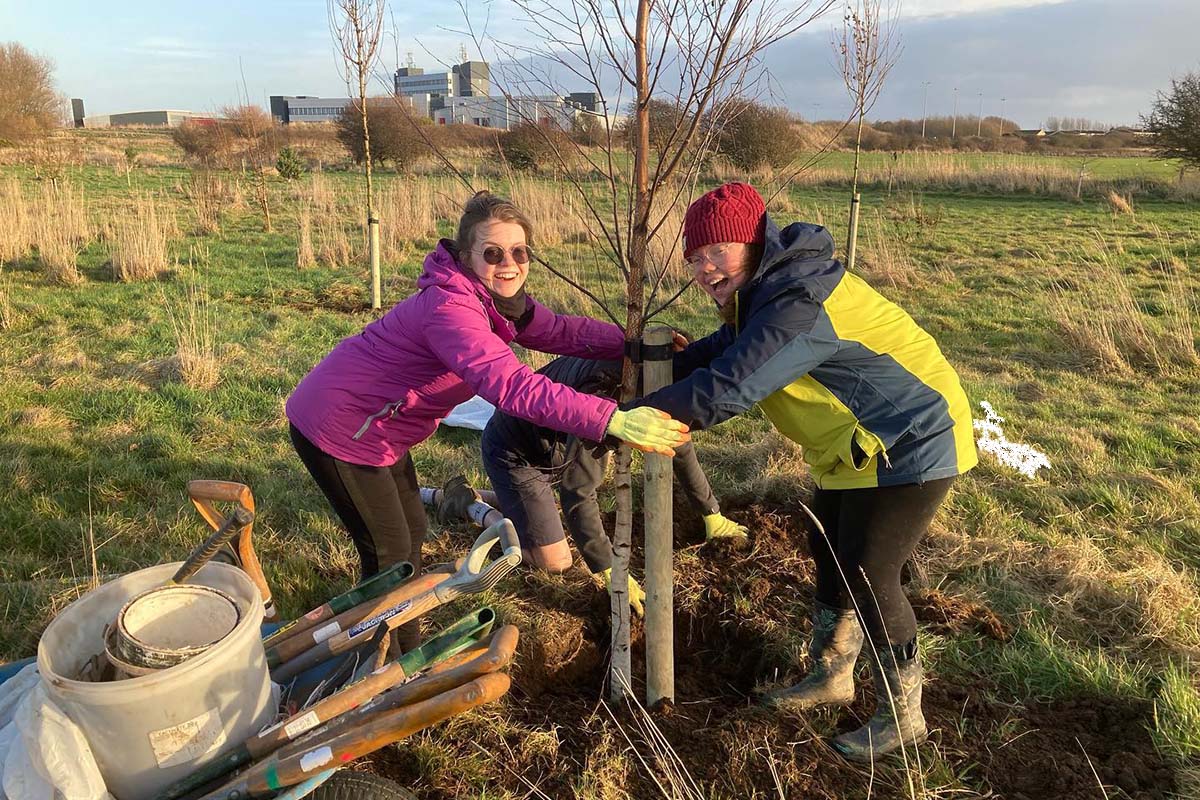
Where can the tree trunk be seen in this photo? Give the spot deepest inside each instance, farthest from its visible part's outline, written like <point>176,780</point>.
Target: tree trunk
<point>635,309</point>
<point>852,227</point>
<point>372,222</point>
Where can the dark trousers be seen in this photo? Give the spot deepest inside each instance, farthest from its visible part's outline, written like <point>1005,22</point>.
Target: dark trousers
<point>525,492</point>
<point>869,534</point>
<point>380,507</point>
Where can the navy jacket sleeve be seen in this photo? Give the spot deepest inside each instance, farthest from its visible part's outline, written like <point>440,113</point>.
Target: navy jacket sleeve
<point>701,352</point>
<point>781,342</point>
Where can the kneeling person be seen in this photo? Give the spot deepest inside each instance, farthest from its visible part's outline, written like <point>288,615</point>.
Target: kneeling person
<point>524,460</point>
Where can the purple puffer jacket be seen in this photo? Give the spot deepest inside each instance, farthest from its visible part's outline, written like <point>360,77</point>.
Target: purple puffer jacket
<point>385,389</point>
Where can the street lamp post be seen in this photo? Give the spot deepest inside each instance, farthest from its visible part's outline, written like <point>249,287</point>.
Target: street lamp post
<point>979,121</point>
<point>925,108</point>
<point>1002,101</point>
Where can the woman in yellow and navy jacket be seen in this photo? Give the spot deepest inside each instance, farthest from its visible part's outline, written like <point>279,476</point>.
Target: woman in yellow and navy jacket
<point>884,425</point>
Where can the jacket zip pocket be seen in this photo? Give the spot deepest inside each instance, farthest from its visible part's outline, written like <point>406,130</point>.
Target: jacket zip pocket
<point>388,411</point>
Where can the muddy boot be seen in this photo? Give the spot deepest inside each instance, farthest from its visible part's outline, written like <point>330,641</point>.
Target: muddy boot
<point>898,719</point>
<point>837,639</point>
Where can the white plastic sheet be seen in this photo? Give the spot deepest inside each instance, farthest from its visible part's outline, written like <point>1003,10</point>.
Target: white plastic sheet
<point>43,755</point>
<point>473,414</point>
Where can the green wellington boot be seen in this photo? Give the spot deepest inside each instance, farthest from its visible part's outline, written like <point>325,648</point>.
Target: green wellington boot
<point>898,720</point>
<point>836,641</point>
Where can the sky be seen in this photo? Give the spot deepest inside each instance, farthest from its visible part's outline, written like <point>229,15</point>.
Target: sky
<point>1099,59</point>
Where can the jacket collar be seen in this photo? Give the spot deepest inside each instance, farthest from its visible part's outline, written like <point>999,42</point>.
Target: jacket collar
<point>442,269</point>
<point>799,255</point>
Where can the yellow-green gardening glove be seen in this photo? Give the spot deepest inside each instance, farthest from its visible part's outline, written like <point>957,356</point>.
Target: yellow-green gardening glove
<point>637,596</point>
<point>648,429</point>
<point>719,526</point>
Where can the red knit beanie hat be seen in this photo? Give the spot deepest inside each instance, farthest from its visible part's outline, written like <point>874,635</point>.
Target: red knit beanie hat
<point>730,213</point>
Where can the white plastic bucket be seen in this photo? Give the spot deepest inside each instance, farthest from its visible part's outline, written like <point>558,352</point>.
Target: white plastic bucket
<point>149,731</point>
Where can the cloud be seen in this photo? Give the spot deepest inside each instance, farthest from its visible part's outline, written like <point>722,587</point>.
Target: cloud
<point>1102,59</point>
<point>954,8</point>
<point>171,47</point>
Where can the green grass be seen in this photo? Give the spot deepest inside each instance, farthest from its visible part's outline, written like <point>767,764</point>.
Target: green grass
<point>1094,561</point>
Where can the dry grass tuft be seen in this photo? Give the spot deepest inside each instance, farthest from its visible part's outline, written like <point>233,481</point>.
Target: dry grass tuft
<point>334,248</point>
<point>208,195</point>
<point>405,211</point>
<point>884,259</point>
<point>305,257</point>
<point>58,256</point>
<point>1103,321</point>
<point>7,315</point>
<point>43,418</point>
<point>58,225</point>
<point>15,236</point>
<point>140,242</point>
<point>1120,204</point>
<point>195,361</point>
<point>322,197</point>
<point>552,210</point>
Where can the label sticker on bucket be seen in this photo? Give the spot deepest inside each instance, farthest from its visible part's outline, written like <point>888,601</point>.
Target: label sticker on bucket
<point>188,741</point>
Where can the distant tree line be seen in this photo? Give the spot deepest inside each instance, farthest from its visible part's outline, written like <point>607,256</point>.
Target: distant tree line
<point>1075,124</point>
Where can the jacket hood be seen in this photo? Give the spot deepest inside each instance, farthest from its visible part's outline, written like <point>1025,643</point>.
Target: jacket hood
<point>800,254</point>
<point>442,269</point>
<point>798,243</point>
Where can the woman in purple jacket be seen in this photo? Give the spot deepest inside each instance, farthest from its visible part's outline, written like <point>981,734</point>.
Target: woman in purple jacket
<point>355,417</point>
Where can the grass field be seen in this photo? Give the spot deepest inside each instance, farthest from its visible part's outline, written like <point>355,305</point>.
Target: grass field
<point>1061,614</point>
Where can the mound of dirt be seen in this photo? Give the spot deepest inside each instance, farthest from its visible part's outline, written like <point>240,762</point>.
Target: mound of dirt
<point>733,602</point>
<point>942,613</point>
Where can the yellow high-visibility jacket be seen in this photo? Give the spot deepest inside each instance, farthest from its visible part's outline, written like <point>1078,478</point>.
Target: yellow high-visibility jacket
<point>834,365</point>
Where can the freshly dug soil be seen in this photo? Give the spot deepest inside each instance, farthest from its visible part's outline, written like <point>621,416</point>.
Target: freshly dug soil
<point>553,732</point>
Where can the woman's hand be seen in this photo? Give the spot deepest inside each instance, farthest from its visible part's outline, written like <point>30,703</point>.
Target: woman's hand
<point>678,340</point>
<point>649,430</point>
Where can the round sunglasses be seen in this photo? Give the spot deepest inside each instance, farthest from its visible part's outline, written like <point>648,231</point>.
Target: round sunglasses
<point>494,254</point>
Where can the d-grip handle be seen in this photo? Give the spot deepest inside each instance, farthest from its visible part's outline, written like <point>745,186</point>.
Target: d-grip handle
<point>204,494</point>
<point>476,574</point>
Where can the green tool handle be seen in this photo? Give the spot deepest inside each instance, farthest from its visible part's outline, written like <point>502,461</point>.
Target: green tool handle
<point>452,640</point>
<point>268,776</point>
<point>483,658</point>
<point>369,589</point>
<point>239,519</point>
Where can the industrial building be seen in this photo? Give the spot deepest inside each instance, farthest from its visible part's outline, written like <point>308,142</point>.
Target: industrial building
<point>461,96</point>
<point>169,118</point>
<point>287,109</point>
<point>304,108</point>
<point>509,112</point>
<point>468,79</point>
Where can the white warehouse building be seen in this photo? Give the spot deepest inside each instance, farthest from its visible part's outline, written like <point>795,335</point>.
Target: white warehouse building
<point>507,113</point>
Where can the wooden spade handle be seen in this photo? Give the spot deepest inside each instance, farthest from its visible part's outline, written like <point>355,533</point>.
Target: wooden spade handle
<point>499,654</point>
<point>378,732</point>
<point>335,632</point>
<point>204,494</point>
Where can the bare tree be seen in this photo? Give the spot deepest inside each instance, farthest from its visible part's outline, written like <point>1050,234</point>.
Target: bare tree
<point>29,104</point>
<point>249,133</point>
<point>695,57</point>
<point>867,47</point>
<point>356,26</point>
